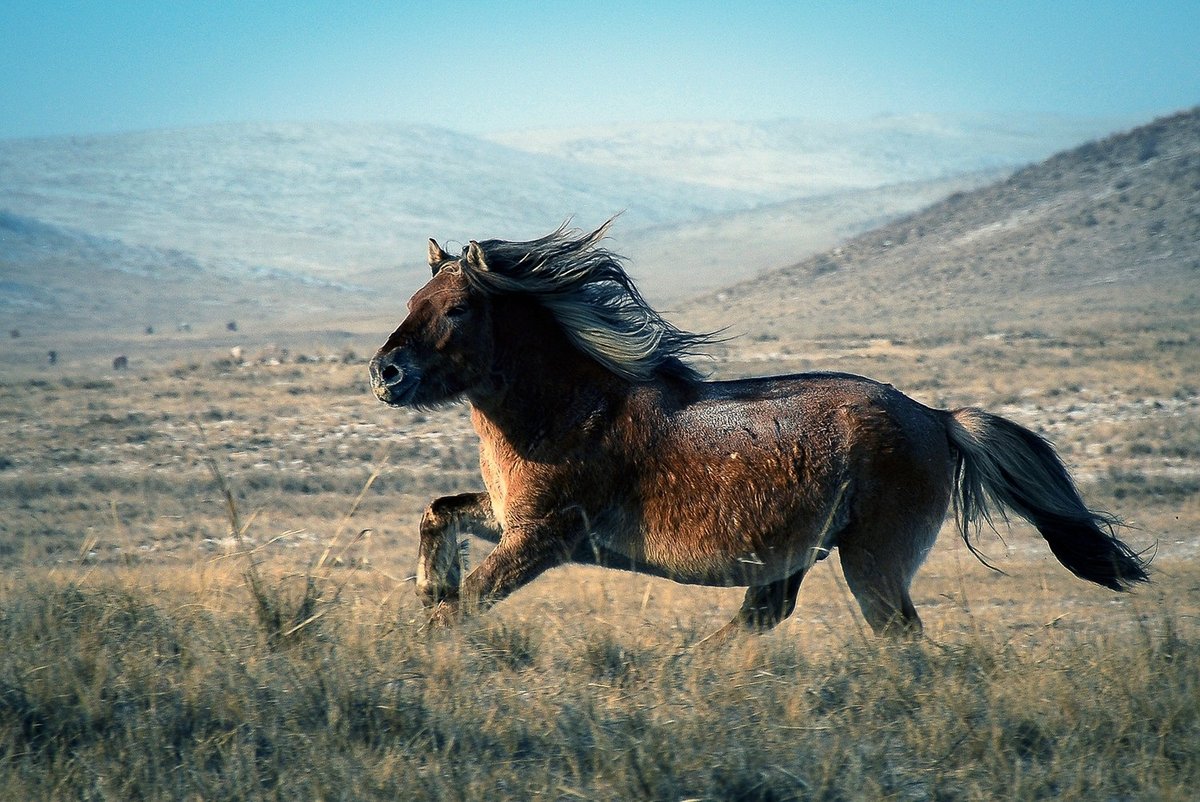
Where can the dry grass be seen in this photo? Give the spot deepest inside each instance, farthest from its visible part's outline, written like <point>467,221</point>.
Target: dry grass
<point>142,685</point>
<point>139,659</point>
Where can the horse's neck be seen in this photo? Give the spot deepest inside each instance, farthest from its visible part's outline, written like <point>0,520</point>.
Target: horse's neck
<point>547,396</point>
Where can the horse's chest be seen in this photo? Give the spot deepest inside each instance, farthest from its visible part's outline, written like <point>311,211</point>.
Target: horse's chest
<point>512,482</point>
<point>496,478</point>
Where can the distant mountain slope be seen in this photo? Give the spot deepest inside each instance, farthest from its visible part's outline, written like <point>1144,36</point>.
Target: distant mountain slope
<point>1111,227</point>
<point>331,200</point>
<point>785,159</point>
<point>324,199</point>
<point>57,278</point>
<point>675,262</point>
<point>285,224</point>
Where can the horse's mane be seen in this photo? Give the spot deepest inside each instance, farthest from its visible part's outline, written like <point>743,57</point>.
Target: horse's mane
<point>587,291</point>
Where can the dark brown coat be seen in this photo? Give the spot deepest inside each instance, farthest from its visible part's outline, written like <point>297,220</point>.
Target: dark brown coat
<point>598,444</point>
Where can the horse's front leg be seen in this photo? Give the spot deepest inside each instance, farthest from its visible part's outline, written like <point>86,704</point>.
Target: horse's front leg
<point>440,557</point>
<point>526,550</point>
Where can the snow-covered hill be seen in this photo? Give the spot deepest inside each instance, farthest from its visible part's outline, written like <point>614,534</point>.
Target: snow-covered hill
<point>788,159</point>
<point>325,199</point>
<point>109,229</point>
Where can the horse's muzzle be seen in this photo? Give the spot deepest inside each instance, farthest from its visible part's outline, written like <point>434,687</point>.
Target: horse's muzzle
<point>392,381</point>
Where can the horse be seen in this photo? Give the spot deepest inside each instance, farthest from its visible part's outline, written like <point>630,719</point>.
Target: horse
<point>601,443</point>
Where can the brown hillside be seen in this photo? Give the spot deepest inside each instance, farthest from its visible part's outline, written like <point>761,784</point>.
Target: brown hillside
<point>1107,231</point>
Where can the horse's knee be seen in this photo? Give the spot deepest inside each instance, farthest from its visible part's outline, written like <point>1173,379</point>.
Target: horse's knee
<point>439,511</point>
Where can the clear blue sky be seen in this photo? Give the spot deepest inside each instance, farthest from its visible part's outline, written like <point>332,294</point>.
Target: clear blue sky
<point>85,67</point>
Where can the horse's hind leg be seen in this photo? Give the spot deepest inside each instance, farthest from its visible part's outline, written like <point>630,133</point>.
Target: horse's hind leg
<point>762,609</point>
<point>881,588</point>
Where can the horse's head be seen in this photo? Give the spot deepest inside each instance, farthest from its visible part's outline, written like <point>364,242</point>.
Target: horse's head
<point>443,347</point>
<point>546,306</point>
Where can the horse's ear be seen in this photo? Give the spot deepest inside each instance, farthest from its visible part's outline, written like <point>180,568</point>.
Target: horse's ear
<point>475,256</point>
<point>436,254</point>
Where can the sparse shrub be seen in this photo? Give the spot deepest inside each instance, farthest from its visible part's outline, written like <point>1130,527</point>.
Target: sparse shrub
<point>1121,484</point>
<point>823,266</point>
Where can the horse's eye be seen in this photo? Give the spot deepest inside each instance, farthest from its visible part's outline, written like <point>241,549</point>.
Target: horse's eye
<point>458,310</point>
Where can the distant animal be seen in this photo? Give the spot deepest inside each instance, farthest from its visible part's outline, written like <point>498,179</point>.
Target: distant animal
<point>120,362</point>
<point>149,330</point>
<point>600,444</point>
<point>235,353</point>
<point>53,357</point>
<point>231,326</point>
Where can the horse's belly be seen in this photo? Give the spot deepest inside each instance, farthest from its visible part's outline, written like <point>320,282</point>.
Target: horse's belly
<point>740,530</point>
<point>698,564</point>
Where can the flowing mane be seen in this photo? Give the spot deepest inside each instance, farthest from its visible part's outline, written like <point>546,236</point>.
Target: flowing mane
<point>586,289</point>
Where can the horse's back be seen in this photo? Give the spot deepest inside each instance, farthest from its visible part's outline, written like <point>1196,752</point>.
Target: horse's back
<point>745,468</point>
<point>803,403</point>
<point>859,429</point>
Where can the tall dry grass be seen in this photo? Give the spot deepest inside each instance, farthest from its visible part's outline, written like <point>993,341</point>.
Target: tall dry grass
<point>129,686</point>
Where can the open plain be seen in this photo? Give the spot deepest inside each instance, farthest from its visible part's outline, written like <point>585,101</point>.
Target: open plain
<point>207,558</point>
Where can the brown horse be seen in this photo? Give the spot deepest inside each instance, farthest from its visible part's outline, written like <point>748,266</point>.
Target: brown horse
<point>599,444</point>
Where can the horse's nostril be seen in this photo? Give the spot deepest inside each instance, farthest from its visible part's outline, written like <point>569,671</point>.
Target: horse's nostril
<point>389,373</point>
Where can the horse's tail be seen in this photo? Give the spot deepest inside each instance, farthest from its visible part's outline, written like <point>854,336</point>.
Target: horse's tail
<point>1003,465</point>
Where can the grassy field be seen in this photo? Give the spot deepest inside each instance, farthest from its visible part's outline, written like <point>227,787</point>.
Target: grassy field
<point>146,652</point>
